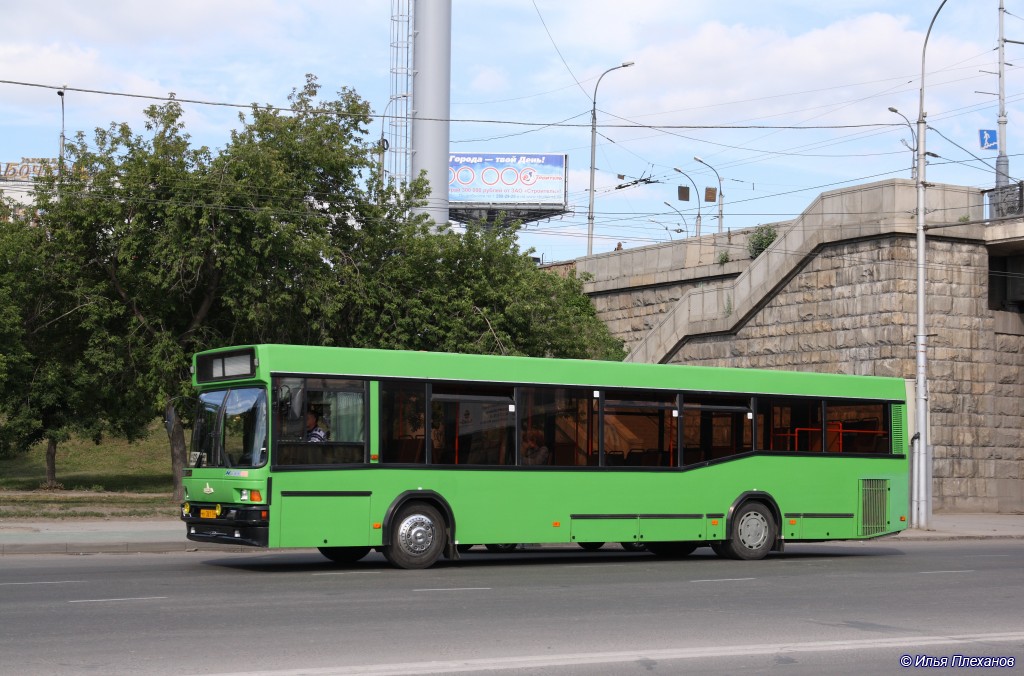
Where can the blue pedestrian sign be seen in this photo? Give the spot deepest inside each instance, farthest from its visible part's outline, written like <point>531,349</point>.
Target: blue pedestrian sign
<point>988,139</point>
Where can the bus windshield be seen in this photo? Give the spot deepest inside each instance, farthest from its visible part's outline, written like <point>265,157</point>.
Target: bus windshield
<point>230,429</point>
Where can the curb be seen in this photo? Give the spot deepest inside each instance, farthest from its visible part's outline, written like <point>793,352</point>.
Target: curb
<point>178,546</point>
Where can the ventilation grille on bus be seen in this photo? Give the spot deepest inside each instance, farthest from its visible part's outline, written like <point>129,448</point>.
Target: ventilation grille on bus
<point>899,425</point>
<point>874,497</point>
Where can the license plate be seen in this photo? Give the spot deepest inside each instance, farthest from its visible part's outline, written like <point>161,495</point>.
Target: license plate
<point>207,514</point>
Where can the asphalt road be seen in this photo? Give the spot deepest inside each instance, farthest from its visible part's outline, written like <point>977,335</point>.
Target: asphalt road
<point>837,608</point>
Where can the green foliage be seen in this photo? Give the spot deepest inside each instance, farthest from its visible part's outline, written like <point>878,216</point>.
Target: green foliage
<point>151,249</point>
<point>760,239</point>
<point>723,258</point>
<point>473,292</point>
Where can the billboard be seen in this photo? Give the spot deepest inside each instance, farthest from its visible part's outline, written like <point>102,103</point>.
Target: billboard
<point>483,178</point>
<point>26,170</point>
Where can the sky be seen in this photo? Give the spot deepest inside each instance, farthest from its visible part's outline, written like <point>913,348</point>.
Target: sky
<point>786,99</point>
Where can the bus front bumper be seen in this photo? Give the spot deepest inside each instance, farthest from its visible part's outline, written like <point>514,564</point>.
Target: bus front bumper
<point>235,526</point>
<point>253,536</point>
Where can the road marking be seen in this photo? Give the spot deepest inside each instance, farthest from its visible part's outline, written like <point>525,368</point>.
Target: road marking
<point>455,589</point>
<point>11,584</point>
<point>135,598</point>
<point>936,572</point>
<point>726,579</point>
<point>574,659</point>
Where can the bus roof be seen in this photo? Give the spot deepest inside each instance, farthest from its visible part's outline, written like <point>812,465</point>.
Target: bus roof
<point>444,366</point>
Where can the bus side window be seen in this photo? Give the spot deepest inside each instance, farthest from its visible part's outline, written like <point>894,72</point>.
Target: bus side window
<point>403,416</point>
<point>566,417</point>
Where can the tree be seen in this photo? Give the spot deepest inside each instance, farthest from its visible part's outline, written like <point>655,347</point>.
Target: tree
<point>288,234</point>
<point>198,250</point>
<point>61,366</point>
<point>473,292</point>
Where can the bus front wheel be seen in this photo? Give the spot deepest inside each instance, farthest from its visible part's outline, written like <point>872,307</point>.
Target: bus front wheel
<point>344,554</point>
<point>753,533</point>
<point>417,537</point>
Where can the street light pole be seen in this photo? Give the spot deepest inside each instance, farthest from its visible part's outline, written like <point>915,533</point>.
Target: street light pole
<point>698,198</point>
<point>720,195</point>
<point>913,149</point>
<point>593,153</point>
<point>60,159</point>
<point>922,490</point>
<point>383,147</point>
<point>683,218</point>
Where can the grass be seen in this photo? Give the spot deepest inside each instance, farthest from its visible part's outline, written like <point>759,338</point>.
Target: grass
<point>112,478</point>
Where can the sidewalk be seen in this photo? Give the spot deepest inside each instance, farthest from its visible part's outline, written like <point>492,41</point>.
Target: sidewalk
<point>93,536</point>
<point>89,536</point>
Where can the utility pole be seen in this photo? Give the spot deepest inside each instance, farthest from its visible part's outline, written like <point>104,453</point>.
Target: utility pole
<point>1002,161</point>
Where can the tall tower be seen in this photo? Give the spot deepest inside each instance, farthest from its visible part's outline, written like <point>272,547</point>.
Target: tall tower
<point>395,120</point>
<point>431,99</point>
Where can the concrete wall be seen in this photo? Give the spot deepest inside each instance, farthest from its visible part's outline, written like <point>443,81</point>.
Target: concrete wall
<point>837,293</point>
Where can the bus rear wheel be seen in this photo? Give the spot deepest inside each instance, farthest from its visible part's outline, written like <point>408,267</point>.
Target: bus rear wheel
<point>590,546</point>
<point>417,537</point>
<point>753,533</point>
<point>344,554</point>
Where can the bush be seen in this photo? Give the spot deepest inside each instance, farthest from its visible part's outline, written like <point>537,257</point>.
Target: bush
<point>761,239</point>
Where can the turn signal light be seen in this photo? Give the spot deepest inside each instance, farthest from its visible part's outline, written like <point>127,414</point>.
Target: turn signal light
<point>255,496</point>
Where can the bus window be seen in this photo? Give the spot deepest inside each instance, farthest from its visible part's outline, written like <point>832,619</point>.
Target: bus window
<point>472,425</point>
<point>792,424</point>
<point>639,429</point>
<point>336,406</point>
<point>567,418</point>
<point>230,429</point>
<point>716,426</point>
<point>403,416</point>
<point>857,427</point>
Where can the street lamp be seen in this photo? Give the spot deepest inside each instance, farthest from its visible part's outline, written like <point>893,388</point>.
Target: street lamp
<point>383,147</point>
<point>60,161</point>
<point>678,231</point>
<point>593,152</point>
<point>720,195</point>
<point>921,495</point>
<point>697,233</point>
<point>913,150</point>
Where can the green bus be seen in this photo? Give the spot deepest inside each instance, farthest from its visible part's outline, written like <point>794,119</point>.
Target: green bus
<point>421,455</point>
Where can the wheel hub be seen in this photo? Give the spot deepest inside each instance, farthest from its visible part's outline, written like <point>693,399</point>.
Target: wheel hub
<point>416,534</point>
<point>752,530</point>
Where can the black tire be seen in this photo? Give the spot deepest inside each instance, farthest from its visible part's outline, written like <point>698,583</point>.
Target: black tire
<point>634,546</point>
<point>417,537</point>
<point>591,546</point>
<point>753,533</point>
<point>671,550</point>
<point>719,549</point>
<point>344,554</point>
<point>501,548</point>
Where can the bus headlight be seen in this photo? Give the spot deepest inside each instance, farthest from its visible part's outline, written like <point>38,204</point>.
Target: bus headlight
<point>186,509</point>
